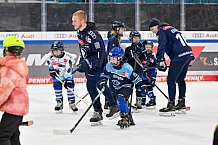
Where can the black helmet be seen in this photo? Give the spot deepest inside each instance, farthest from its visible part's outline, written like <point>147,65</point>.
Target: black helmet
<point>117,24</point>
<point>134,34</point>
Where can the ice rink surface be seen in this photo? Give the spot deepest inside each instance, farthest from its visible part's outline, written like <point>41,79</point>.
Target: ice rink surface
<point>194,128</point>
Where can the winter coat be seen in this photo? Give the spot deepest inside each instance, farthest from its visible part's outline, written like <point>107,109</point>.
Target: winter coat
<point>13,94</point>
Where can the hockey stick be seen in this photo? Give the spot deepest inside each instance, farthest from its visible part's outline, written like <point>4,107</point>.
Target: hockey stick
<point>130,108</point>
<point>68,132</point>
<point>140,63</point>
<point>82,99</point>
<point>27,123</point>
<point>71,90</point>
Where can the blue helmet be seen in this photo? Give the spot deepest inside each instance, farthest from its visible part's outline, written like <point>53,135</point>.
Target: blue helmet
<point>57,45</point>
<point>118,53</point>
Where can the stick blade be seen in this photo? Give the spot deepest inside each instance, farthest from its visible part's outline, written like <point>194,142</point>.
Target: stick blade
<point>61,132</point>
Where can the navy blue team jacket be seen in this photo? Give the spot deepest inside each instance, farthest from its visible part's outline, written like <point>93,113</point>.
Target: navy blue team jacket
<point>112,42</point>
<point>92,48</point>
<point>171,41</point>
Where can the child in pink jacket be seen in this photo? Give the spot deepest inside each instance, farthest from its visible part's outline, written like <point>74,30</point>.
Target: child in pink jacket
<point>14,101</point>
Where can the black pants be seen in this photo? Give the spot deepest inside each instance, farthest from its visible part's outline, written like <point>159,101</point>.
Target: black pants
<point>92,89</point>
<point>215,137</point>
<point>9,129</point>
<point>176,74</point>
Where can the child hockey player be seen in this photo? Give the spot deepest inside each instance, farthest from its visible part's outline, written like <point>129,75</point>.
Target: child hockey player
<point>149,75</point>
<point>60,64</point>
<point>14,100</point>
<point>136,50</point>
<point>122,76</point>
<point>114,40</point>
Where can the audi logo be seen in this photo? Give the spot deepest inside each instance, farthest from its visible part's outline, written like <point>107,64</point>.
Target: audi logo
<point>60,36</point>
<point>198,35</point>
<point>12,35</point>
<point>151,35</point>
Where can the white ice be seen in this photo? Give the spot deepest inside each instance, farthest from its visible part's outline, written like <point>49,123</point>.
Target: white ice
<point>194,128</point>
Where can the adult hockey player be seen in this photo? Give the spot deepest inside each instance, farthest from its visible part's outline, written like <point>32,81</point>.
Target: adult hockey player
<point>14,100</point>
<point>149,75</point>
<point>114,40</point>
<point>92,61</point>
<point>60,69</point>
<point>173,43</point>
<point>122,77</point>
<point>137,49</point>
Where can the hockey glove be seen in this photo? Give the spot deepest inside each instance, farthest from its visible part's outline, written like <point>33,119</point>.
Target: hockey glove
<point>152,81</point>
<point>84,66</point>
<point>67,84</point>
<point>102,83</point>
<point>162,66</point>
<point>53,73</point>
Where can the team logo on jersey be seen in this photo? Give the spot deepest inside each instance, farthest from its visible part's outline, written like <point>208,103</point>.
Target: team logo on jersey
<point>65,60</point>
<point>81,42</point>
<point>166,27</point>
<point>97,45</point>
<point>56,63</point>
<point>124,73</point>
<point>151,60</point>
<point>89,40</point>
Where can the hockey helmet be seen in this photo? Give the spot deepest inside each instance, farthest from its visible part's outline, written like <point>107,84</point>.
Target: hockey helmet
<point>14,45</point>
<point>117,24</point>
<point>57,45</point>
<point>134,34</point>
<point>116,52</point>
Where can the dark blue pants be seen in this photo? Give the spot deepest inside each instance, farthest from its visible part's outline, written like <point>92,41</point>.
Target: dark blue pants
<point>9,129</point>
<point>176,74</point>
<point>92,89</point>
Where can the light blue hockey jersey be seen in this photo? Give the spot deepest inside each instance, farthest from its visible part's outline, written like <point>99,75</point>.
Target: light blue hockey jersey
<point>123,77</point>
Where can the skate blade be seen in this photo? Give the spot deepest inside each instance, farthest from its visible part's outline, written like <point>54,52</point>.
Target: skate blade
<point>114,116</point>
<point>96,123</point>
<point>150,107</point>
<point>123,126</point>
<point>167,114</point>
<point>59,112</point>
<point>181,111</point>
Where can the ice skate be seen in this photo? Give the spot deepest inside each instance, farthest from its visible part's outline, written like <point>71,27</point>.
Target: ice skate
<point>169,110</point>
<point>151,104</point>
<point>180,107</point>
<point>124,122</point>
<point>106,105</point>
<point>96,118</point>
<point>113,112</point>
<point>72,105</point>
<point>138,103</point>
<point>59,107</point>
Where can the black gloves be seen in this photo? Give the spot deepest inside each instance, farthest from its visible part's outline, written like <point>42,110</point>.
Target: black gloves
<point>162,66</point>
<point>67,84</point>
<point>53,73</point>
<point>84,66</point>
<point>102,83</point>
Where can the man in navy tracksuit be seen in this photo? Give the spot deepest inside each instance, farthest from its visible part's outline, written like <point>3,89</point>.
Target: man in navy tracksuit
<point>92,61</point>
<point>172,42</point>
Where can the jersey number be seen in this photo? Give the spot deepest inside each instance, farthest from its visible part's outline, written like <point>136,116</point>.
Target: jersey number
<point>181,39</point>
